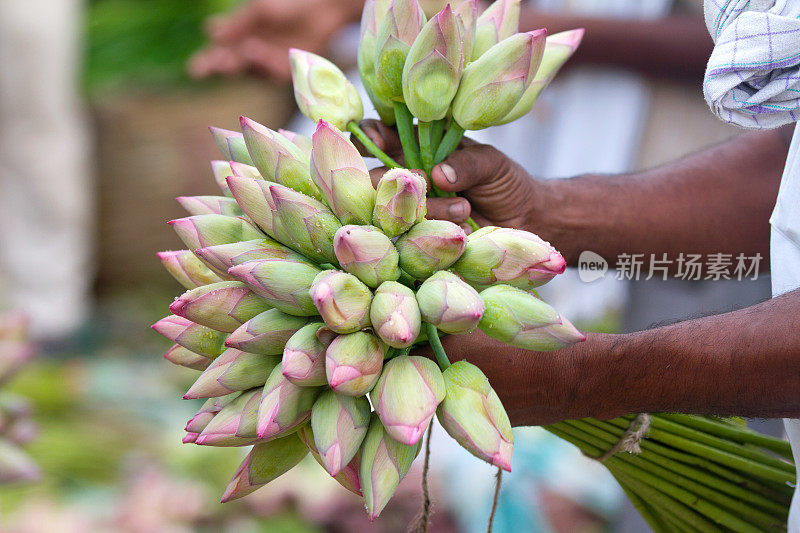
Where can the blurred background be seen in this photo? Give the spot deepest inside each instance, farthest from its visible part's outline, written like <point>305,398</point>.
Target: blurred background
<point>104,106</point>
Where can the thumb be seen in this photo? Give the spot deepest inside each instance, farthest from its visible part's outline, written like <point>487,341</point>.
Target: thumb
<point>469,167</point>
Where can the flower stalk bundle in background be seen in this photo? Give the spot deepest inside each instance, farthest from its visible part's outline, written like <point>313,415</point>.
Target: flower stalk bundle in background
<point>308,287</point>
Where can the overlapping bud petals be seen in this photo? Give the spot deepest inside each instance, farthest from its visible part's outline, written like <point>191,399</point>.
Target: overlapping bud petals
<point>208,230</point>
<point>406,396</point>
<point>231,144</point>
<point>347,476</point>
<point>367,253</point>
<point>509,256</point>
<point>266,333</point>
<point>304,356</point>
<point>395,314</point>
<point>500,21</point>
<point>283,283</point>
<point>207,411</point>
<point>341,174</point>
<point>473,415</point>
<point>429,246</point>
<point>557,50</point>
<point>433,67</point>
<point>232,371</point>
<point>298,139</point>
<point>255,198</point>
<point>399,201</point>
<point>278,159</point>
<point>493,84</point>
<point>284,406</point>
<point>339,425</point>
<point>307,223</point>
<point>221,170</point>
<point>265,462</point>
<point>178,355</point>
<point>210,205</point>
<point>396,33</point>
<point>187,269</point>
<point>223,306</point>
<point>373,14</point>
<point>353,363</point>
<point>234,424</point>
<point>245,171</point>
<point>521,319</point>
<point>342,300</point>
<point>466,13</point>
<point>224,256</point>
<point>322,90</point>
<point>449,303</point>
<point>194,337</point>
<point>384,463</point>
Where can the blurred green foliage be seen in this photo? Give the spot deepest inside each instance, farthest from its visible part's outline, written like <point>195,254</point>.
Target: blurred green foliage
<point>144,42</point>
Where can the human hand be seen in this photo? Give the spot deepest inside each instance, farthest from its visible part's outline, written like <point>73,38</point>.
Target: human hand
<point>257,37</point>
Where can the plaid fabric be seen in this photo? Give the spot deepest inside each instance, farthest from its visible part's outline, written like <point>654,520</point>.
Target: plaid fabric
<point>753,76</point>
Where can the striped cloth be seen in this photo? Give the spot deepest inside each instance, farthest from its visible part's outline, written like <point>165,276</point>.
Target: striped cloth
<point>753,76</point>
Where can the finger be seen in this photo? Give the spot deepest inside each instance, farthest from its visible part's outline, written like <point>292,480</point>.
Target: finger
<point>454,209</point>
<point>384,137</point>
<point>215,60</point>
<point>473,165</point>
<point>266,59</point>
<point>467,228</point>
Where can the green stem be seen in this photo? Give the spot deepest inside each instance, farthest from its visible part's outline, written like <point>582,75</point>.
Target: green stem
<point>405,129</point>
<point>436,134</point>
<point>449,143</point>
<point>436,345</point>
<point>426,148</point>
<point>356,130</point>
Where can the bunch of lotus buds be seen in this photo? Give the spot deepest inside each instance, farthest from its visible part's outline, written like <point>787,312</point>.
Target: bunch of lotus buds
<point>16,427</point>
<point>307,288</point>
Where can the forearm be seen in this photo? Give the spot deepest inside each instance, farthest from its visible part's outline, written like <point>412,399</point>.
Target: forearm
<point>716,201</point>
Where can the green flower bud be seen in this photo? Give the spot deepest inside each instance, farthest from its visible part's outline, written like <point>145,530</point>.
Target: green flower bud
<point>353,363</point>
<point>232,371</point>
<point>396,33</point>
<point>395,314</point>
<point>499,22</point>
<point>222,306</point>
<point>194,337</point>
<point>187,269</point>
<point>304,356</point>
<point>284,406</point>
<point>367,253</point>
<point>339,423</point>
<point>399,202</point>
<point>374,12</point>
<point>449,303</point>
<point>348,476</point>
<point>266,333</point>
<point>283,283</point>
<point>342,300</point>
<point>429,246</point>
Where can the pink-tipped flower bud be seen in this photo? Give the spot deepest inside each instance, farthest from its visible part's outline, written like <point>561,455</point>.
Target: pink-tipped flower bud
<point>194,337</point>
<point>353,363</point>
<point>304,356</point>
<point>367,253</point>
<point>245,171</point>
<point>284,406</point>
<point>178,355</point>
<point>466,15</point>
<point>232,371</point>
<point>339,424</point>
<point>429,246</point>
<point>472,414</point>
<point>301,141</point>
<point>231,144</point>
<point>224,256</point>
<point>347,476</point>
<point>342,300</point>
<point>395,314</point>
<point>499,22</point>
<point>283,283</point>
<point>207,411</point>
<point>397,31</point>
<point>399,202</point>
<point>373,14</point>
<point>266,333</point>
<point>449,303</point>
<point>221,170</point>
<point>406,396</point>
<point>187,269</point>
<point>521,319</point>
<point>255,199</point>
<point>509,256</point>
<point>222,306</point>
<point>210,205</point>
<point>209,230</point>
<point>233,424</point>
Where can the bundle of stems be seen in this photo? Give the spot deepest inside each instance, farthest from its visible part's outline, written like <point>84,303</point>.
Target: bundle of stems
<point>688,473</point>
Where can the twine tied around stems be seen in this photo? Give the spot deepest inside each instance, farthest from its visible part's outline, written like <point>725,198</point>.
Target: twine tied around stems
<point>629,441</point>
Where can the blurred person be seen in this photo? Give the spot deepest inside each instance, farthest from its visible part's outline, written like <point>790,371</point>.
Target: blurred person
<point>46,203</point>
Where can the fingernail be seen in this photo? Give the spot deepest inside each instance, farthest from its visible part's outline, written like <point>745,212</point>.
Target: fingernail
<point>449,173</point>
<point>457,210</point>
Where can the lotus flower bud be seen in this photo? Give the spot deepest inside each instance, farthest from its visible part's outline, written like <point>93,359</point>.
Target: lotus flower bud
<point>301,141</point>
<point>353,363</point>
<point>341,174</point>
<point>225,428</point>
<point>284,406</point>
<point>322,91</point>
<point>267,333</point>
<point>207,411</point>
<point>308,224</point>
<point>178,355</point>
<point>384,463</point>
<point>189,438</point>
<point>187,269</point>
<point>374,12</point>
<point>222,306</point>
<point>367,253</point>
<point>339,424</point>
<point>210,205</point>
<point>395,314</point>
<point>499,22</point>
<point>265,462</point>
<point>449,303</point>
<point>342,300</point>
<point>231,144</point>
<point>194,337</point>
<point>221,170</point>
<point>208,230</point>
<point>472,414</point>
<point>304,356</point>
<point>278,159</point>
<point>509,256</point>
<point>432,70</point>
<point>232,371</point>
<point>467,15</point>
<point>283,283</point>
<point>244,171</point>
<point>224,256</point>
<point>406,396</point>
<point>348,476</point>
<point>399,202</point>
<point>255,199</point>
<point>396,33</point>
<point>429,246</point>
<point>493,84</point>
<point>557,50</point>
<point>521,319</point>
